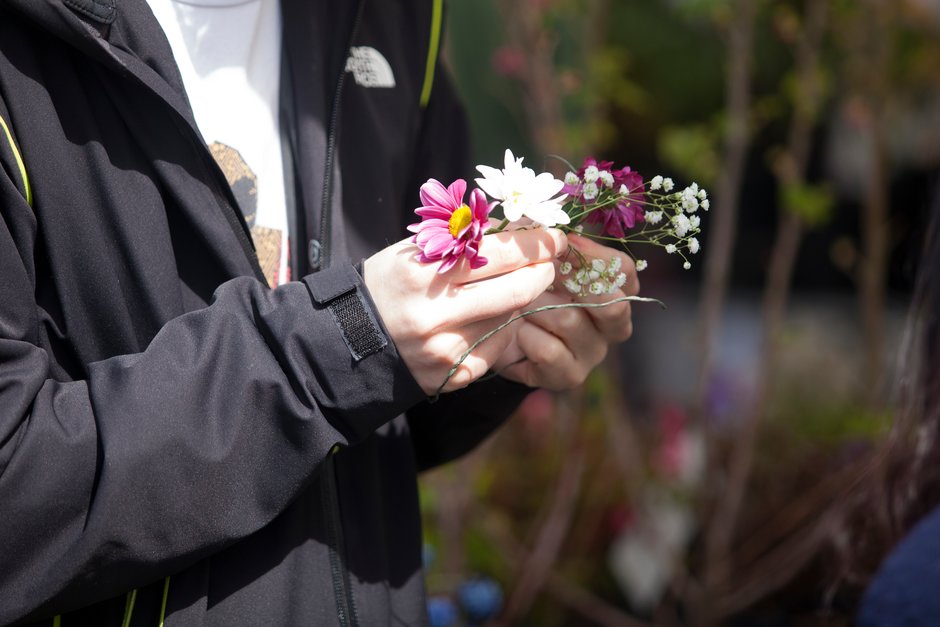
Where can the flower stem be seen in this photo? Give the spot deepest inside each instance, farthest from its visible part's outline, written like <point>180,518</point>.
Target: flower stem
<point>526,314</point>
<point>498,228</point>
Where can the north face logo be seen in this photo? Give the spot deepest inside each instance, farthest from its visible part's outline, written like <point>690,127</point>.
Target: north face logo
<point>369,67</point>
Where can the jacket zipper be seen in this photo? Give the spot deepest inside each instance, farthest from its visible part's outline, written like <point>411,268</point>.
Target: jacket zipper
<point>327,200</point>
<point>342,586</point>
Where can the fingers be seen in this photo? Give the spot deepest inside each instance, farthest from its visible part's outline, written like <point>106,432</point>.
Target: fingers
<point>550,362</point>
<point>594,250</point>
<point>511,250</point>
<point>573,327</point>
<point>498,295</point>
<point>614,322</point>
<point>483,356</point>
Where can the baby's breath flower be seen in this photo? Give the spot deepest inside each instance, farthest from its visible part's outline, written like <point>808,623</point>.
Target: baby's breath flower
<point>597,277</point>
<point>590,190</point>
<point>681,224</point>
<point>661,213</point>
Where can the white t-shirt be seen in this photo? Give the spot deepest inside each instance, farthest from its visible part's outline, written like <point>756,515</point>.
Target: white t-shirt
<point>228,53</point>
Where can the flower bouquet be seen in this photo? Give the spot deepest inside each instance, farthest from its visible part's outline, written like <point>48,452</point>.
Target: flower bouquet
<point>612,205</point>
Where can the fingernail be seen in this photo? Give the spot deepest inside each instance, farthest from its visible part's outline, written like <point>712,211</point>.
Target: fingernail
<point>561,241</point>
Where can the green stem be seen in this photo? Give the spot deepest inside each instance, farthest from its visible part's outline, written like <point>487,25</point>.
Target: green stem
<point>531,312</point>
<point>498,228</point>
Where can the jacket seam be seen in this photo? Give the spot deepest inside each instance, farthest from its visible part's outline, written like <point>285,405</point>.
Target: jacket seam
<point>102,12</point>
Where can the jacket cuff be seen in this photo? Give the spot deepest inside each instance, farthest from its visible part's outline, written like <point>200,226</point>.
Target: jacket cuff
<point>361,378</point>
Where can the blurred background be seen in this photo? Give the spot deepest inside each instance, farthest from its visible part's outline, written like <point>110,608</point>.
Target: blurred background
<point>700,475</point>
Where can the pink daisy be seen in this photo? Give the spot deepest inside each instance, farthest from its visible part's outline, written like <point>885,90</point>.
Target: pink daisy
<point>450,229</point>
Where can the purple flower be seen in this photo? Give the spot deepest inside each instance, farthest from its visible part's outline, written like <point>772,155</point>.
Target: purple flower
<point>450,229</point>
<point>628,211</point>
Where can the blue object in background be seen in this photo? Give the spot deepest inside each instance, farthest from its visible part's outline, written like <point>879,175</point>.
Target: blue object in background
<point>906,590</point>
<point>481,599</point>
<point>428,554</point>
<point>441,612</point>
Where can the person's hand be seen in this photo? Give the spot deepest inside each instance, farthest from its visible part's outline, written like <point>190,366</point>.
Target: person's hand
<point>433,318</point>
<point>557,349</point>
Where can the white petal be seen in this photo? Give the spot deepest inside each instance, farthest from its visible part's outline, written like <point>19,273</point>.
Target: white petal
<point>489,172</point>
<point>512,211</point>
<point>492,186</point>
<point>548,184</point>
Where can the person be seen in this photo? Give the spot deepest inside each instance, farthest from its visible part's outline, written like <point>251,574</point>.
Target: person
<point>899,525</point>
<point>187,436</point>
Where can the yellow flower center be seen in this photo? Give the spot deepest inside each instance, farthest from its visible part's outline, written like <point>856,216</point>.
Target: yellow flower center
<point>459,220</point>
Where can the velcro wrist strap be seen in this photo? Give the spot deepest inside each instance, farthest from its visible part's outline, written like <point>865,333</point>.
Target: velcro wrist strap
<point>337,288</point>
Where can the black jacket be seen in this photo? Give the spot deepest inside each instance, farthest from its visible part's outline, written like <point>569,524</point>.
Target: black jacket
<point>176,439</point>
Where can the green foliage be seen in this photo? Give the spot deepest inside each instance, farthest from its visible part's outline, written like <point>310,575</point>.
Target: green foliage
<point>812,203</point>
<point>693,150</point>
<point>482,559</point>
<point>713,9</point>
<point>609,79</point>
<point>798,98</point>
<point>497,118</point>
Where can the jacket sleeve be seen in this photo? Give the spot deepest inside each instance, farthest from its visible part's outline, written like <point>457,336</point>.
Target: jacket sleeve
<point>458,421</point>
<point>157,459</point>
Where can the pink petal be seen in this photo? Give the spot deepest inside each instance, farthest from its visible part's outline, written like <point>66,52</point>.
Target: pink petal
<point>426,235</point>
<point>478,262</point>
<point>481,209</point>
<point>432,223</point>
<point>447,264</point>
<point>434,212</point>
<point>436,195</point>
<point>435,223</point>
<point>457,189</point>
<point>438,245</point>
